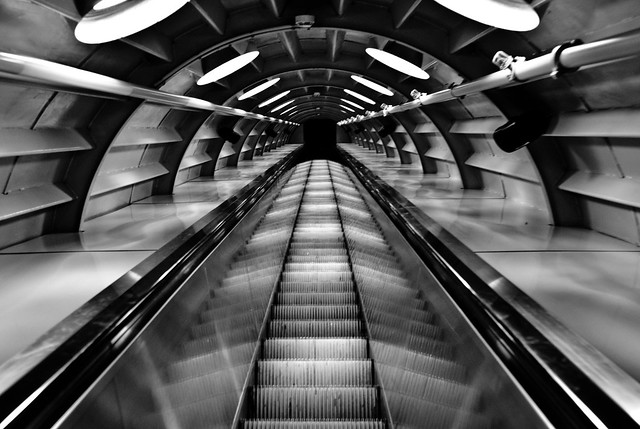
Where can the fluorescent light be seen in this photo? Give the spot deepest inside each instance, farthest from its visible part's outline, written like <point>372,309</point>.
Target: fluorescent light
<point>514,15</point>
<point>285,104</point>
<point>225,69</point>
<point>124,19</point>
<point>347,108</point>
<point>272,99</point>
<point>397,63</point>
<point>352,103</point>
<point>366,82</point>
<point>258,89</point>
<point>360,96</point>
<point>105,4</point>
<point>288,110</point>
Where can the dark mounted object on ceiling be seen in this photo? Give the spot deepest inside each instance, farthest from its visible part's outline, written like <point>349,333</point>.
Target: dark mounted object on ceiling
<point>359,129</point>
<point>271,131</point>
<point>521,130</point>
<point>228,134</point>
<point>389,125</point>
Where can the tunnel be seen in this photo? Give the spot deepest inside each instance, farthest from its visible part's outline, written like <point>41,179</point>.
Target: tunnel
<point>319,214</point>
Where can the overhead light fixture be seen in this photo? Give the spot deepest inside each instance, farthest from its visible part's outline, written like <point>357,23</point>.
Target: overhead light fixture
<point>366,82</point>
<point>360,96</point>
<point>258,89</point>
<point>272,99</point>
<point>285,104</point>
<point>352,103</point>
<point>347,108</point>
<point>105,4</point>
<point>114,20</point>
<point>288,110</point>
<point>513,15</point>
<point>225,69</point>
<point>397,63</point>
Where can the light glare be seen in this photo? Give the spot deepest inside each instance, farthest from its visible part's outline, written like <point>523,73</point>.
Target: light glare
<point>258,89</point>
<point>272,99</point>
<point>225,69</point>
<point>359,96</point>
<point>513,15</point>
<point>366,82</point>
<point>397,63</point>
<point>99,26</point>
<point>106,4</point>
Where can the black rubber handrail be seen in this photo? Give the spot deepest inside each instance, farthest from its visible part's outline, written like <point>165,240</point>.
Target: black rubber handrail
<point>45,393</point>
<point>561,390</point>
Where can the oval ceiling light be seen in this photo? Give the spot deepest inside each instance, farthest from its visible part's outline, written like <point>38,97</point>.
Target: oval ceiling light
<point>347,108</point>
<point>352,103</point>
<point>366,82</point>
<point>285,104</point>
<point>513,15</point>
<point>272,99</point>
<point>258,89</point>
<point>105,4</point>
<point>397,63</point>
<point>118,20</point>
<point>225,69</point>
<point>360,96</point>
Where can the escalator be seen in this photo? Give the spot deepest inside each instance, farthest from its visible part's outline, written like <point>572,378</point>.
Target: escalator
<point>315,312</point>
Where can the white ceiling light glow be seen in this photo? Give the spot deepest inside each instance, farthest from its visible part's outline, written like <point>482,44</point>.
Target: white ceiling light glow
<point>105,4</point>
<point>272,99</point>
<point>366,82</point>
<point>360,96</point>
<point>347,108</point>
<point>117,20</point>
<point>397,63</point>
<point>285,104</point>
<point>352,103</point>
<point>513,15</point>
<point>225,69</point>
<point>258,89</point>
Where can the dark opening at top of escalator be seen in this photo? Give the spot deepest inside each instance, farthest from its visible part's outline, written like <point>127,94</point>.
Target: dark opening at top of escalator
<point>320,140</point>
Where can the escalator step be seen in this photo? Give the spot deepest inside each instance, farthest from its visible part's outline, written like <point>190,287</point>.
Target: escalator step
<point>314,373</point>
<point>316,276</point>
<point>315,348</point>
<point>312,287</point>
<point>316,328</point>
<point>313,424</point>
<point>314,312</point>
<point>318,298</point>
<point>316,402</point>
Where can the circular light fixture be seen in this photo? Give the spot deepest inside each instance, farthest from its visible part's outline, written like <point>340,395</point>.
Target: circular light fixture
<point>397,63</point>
<point>360,96</point>
<point>106,4</point>
<point>272,99</point>
<point>285,104</point>
<point>352,103</point>
<point>123,19</point>
<point>366,82</point>
<point>513,15</point>
<point>225,69</point>
<point>258,89</point>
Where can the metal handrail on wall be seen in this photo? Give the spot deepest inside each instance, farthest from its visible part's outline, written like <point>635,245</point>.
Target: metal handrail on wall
<point>44,394</point>
<point>567,396</point>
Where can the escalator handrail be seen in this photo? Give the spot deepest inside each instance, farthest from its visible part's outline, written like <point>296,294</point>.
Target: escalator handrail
<point>45,393</point>
<point>567,396</point>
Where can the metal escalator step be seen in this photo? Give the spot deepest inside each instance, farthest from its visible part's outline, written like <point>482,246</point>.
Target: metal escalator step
<point>291,267</point>
<point>315,328</point>
<point>314,312</point>
<point>311,287</point>
<point>314,373</point>
<point>323,258</point>
<point>315,348</point>
<point>314,424</point>
<point>316,276</point>
<point>316,402</point>
<point>319,298</point>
